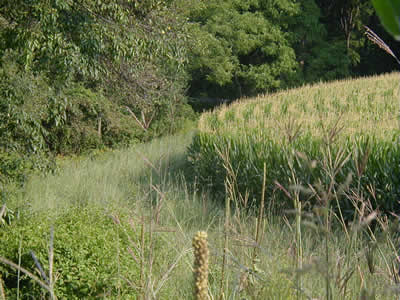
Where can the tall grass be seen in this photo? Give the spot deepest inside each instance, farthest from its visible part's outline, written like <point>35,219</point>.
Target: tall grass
<point>162,212</point>
<point>140,195</point>
<point>124,223</point>
<point>107,180</point>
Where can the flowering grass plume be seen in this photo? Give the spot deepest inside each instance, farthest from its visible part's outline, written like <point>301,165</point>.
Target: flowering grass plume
<point>200,269</point>
<point>373,37</point>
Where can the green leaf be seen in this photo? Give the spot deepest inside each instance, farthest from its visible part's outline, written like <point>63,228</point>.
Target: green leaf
<point>389,13</point>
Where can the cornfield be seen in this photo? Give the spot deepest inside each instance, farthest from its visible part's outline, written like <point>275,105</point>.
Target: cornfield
<point>345,131</point>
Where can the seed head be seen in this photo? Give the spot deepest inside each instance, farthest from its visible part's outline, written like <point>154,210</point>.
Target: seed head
<point>200,269</point>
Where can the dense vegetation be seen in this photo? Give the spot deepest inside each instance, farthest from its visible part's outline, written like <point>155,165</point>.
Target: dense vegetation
<point>86,75</point>
<point>254,46</point>
<point>80,77</point>
<point>109,242</point>
<point>297,133</point>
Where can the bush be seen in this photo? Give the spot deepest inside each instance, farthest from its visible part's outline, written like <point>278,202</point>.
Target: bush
<point>38,122</point>
<point>90,255</point>
<point>90,121</point>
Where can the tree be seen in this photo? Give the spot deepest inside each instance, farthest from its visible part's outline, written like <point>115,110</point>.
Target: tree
<point>242,47</point>
<point>78,38</point>
<point>320,58</point>
<point>133,51</point>
<point>344,20</point>
<point>72,72</point>
<point>62,38</point>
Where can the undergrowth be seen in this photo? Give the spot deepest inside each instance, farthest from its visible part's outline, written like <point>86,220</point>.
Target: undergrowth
<point>119,225</point>
<point>123,224</point>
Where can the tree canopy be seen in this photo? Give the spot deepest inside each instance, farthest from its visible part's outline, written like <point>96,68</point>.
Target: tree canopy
<point>243,46</point>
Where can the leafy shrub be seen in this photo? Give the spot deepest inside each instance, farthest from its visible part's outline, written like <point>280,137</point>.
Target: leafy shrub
<point>38,122</point>
<point>22,136</point>
<point>90,121</point>
<point>64,87</point>
<point>90,255</point>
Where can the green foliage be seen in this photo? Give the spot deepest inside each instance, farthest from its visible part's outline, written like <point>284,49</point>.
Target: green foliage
<point>319,57</point>
<point>87,245</point>
<point>18,113</point>
<point>244,48</point>
<point>326,62</point>
<point>70,70</point>
<point>344,21</point>
<point>388,11</point>
<point>241,48</point>
<point>86,235</point>
<point>131,52</point>
<point>39,122</point>
<point>67,38</point>
<point>90,121</point>
<point>22,107</point>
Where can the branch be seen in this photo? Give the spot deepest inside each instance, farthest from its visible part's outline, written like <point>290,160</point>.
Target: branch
<point>141,124</point>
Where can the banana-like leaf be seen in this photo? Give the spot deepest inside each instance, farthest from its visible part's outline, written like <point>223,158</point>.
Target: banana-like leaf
<point>389,13</point>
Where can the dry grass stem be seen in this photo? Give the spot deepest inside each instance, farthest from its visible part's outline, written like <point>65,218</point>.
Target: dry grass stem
<point>2,292</point>
<point>373,37</point>
<point>33,277</point>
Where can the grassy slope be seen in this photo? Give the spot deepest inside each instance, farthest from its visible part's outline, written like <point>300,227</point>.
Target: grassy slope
<point>124,183</point>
